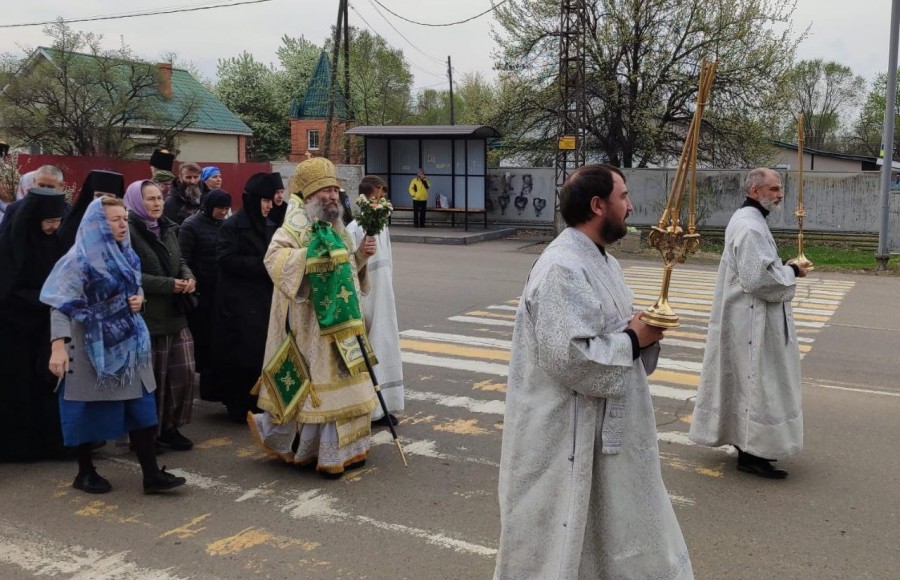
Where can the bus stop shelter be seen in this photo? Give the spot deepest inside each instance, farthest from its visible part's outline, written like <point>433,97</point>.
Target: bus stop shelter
<point>454,158</point>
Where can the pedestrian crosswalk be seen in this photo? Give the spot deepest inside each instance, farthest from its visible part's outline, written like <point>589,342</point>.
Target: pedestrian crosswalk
<point>242,513</point>
<point>476,345</point>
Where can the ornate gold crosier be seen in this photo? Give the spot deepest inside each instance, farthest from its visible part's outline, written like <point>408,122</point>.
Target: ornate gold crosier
<point>668,236</point>
<point>801,209</point>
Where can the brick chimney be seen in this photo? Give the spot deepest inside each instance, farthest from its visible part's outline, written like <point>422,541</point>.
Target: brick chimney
<point>165,79</point>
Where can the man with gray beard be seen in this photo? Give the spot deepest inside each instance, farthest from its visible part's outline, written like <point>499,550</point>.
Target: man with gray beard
<point>184,198</point>
<point>318,278</point>
<point>749,393</point>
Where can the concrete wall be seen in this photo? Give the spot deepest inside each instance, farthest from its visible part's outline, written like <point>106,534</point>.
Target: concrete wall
<point>209,147</point>
<point>835,201</point>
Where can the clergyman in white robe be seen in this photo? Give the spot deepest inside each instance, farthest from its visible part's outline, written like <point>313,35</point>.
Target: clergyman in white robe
<point>749,393</point>
<point>380,311</point>
<point>581,493</point>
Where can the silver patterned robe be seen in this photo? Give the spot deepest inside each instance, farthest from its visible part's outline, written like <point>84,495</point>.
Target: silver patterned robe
<point>749,392</point>
<point>380,310</point>
<point>581,494</point>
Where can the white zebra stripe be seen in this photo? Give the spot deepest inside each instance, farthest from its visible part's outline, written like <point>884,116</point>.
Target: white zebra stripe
<point>460,364</point>
<point>485,321</point>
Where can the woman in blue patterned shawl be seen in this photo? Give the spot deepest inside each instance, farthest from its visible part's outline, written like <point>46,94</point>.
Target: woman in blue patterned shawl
<point>100,347</point>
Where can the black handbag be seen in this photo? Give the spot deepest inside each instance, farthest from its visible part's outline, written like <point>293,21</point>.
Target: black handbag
<point>186,303</point>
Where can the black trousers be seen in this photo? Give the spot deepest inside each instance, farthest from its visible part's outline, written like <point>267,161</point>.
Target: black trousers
<point>419,213</point>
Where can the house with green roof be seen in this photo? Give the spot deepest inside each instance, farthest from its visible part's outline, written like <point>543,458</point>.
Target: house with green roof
<point>209,130</point>
<point>309,117</point>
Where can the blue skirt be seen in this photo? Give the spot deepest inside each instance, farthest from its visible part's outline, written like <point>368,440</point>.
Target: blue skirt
<point>89,421</point>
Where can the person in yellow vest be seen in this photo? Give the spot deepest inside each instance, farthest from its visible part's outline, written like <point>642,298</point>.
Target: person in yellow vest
<point>418,189</point>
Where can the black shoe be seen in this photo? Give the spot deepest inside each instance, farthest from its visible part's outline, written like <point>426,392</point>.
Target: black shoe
<point>388,419</point>
<point>91,482</point>
<point>355,465</point>
<point>173,439</point>
<point>162,480</point>
<point>762,468</point>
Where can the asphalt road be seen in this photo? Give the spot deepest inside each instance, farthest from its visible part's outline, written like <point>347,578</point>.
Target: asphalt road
<point>242,514</point>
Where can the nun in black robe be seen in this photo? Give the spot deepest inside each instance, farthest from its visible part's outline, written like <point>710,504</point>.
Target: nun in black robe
<point>29,408</point>
<point>243,298</point>
<point>97,183</point>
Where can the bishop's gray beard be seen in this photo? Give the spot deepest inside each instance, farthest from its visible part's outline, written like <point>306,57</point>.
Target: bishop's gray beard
<point>317,211</point>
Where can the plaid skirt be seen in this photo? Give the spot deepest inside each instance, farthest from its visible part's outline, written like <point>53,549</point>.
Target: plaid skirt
<point>173,368</point>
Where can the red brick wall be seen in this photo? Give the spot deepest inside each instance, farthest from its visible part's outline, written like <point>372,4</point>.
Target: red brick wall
<point>299,140</point>
<point>242,149</point>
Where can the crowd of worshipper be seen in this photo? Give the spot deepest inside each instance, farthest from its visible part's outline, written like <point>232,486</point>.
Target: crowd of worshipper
<point>120,308</point>
<point>111,308</point>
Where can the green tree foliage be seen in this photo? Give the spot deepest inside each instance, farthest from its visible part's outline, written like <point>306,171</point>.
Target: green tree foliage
<point>869,129</point>
<point>380,80</point>
<point>475,102</point>
<point>641,76</point>
<point>432,107</point>
<point>827,93</point>
<point>85,100</point>
<point>298,58</point>
<point>250,89</point>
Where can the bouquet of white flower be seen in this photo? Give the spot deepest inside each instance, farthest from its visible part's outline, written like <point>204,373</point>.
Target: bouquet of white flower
<point>373,214</point>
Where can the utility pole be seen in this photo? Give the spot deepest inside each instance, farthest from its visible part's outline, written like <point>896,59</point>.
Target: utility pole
<point>348,109</point>
<point>340,38</point>
<point>450,75</point>
<point>570,146</point>
<point>884,252</point>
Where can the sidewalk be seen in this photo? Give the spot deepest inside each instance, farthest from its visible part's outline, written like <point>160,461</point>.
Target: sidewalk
<point>450,236</point>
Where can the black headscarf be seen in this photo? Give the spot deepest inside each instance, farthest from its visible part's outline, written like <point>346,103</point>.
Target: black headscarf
<point>278,212</point>
<point>97,180</point>
<point>215,198</point>
<point>26,252</point>
<point>258,188</point>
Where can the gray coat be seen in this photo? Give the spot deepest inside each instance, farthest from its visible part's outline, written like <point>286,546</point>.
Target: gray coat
<point>81,382</point>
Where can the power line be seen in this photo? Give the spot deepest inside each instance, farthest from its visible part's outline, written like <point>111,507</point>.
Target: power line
<point>433,58</point>
<point>479,15</point>
<point>372,28</point>
<point>157,12</point>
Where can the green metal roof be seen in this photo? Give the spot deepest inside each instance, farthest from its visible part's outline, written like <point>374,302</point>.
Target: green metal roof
<point>211,114</point>
<point>315,101</point>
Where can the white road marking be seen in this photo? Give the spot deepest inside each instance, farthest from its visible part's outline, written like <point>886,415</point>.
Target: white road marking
<point>678,365</point>
<point>855,390</point>
<point>41,556</point>
<point>309,504</point>
<point>427,448</point>
<point>485,321</point>
<point>458,339</point>
<point>680,438</point>
<point>490,407</point>
<point>681,500</point>
<point>503,307</point>
<point>461,364</point>
<point>667,392</point>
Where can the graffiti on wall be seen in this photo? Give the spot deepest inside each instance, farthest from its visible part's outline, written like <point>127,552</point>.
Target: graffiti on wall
<point>520,194</point>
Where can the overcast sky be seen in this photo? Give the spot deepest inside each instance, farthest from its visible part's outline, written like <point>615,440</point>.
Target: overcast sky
<point>853,33</point>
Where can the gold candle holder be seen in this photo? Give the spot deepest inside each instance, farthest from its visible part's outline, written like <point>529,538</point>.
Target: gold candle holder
<point>801,259</point>
<point>673,243</point>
